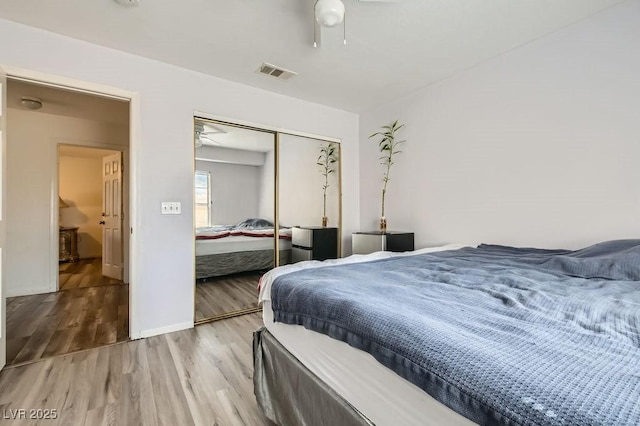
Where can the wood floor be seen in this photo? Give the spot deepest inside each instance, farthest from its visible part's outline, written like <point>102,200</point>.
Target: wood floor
<point>226,294</point>
<point>89,311</point>
<point>83,273</point>
<point>201,376</point>
<point>44,325</point>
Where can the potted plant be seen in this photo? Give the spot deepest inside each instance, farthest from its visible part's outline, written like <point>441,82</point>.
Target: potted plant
<point>388,146</point>
<point>326,160</point>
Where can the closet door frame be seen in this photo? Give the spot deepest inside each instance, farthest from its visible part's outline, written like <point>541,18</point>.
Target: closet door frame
<point>276,131</point>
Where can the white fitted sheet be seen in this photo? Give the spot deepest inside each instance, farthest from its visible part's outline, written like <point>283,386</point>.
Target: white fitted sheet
<point>376,391</point>
<point>235,243</point>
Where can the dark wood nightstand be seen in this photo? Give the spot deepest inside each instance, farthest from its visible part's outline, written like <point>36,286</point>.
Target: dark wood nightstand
<point>369,242</point>
<point>314,243</point>
<point>69,244</point>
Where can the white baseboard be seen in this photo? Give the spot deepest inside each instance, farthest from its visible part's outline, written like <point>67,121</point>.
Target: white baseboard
<point>162,330</point>
<point>12,292</point>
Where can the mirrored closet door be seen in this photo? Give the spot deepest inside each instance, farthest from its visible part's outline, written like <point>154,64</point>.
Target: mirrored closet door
<point>234,216</point>
<point>262,199</point>
<point>309,196</point>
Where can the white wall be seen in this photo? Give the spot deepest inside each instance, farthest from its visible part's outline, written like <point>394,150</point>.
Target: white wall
<point>169,96</point>
<point>537,147</point>
<point>32,140</point>
<point>301,184</point>
<point>80,186</point>
<point>267,193</point>
<point>235,190</point>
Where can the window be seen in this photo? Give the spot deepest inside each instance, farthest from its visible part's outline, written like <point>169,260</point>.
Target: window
<point>203,198</point>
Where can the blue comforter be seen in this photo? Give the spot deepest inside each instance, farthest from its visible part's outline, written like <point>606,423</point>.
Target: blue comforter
<point>501,335</point>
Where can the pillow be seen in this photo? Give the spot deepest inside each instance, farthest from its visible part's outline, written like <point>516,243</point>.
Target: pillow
<point>614,260</point>
<point>254,223</point>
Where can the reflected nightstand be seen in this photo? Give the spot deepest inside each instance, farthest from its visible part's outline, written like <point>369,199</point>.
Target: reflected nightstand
<point>314,243</point>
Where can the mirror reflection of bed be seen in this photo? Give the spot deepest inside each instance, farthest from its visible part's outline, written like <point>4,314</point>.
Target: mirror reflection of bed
<point>236,215</point>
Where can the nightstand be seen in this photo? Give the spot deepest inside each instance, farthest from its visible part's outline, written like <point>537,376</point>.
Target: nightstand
<point>68,244</point>
<point>369,242</point>
<point>313,243</point>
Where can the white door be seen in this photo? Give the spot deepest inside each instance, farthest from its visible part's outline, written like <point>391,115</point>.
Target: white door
<point>3,186</point>
<point>112,216</point>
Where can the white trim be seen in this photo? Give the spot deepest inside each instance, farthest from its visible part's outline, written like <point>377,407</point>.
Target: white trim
<point>200,114</point>
<point>134,138</point>
<point>167,329</point>
<point>3,199</point>
<point>26,292</point>
<point>57,81</point>
<point>54,222</point>
<point>135,245</point>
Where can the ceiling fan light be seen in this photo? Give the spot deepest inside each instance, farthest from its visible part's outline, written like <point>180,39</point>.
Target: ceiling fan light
<point>329,13</point>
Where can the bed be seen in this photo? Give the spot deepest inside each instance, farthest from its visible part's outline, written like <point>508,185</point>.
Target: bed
<point>454,336</point>
<point>230,249</point>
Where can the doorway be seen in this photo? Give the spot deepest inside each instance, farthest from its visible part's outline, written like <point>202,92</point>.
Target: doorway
<point>67,205</point>
<point>90,218</point>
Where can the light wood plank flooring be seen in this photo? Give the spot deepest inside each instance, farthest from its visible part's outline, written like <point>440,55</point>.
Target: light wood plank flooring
<point>44,325</point>
<point>83,273</point>
<point>226,294</point>
<point>201,376</point>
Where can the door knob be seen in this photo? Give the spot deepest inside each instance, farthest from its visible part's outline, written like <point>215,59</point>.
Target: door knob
<point>102,222</point>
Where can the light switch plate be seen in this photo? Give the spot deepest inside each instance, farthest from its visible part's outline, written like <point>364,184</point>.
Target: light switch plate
<point>171,207</point>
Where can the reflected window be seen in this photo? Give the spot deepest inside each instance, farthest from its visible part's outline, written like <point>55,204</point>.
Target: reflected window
<point>203,198</point>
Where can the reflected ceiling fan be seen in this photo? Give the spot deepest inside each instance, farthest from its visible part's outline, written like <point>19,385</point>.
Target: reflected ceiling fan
<point>202,134</point>
<point>331,13</point>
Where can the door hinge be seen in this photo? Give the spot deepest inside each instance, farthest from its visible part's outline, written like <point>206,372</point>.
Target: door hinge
<point>131,230</point>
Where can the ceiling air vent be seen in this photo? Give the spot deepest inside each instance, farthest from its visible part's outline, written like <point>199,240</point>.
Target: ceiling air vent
<point>276,72</point>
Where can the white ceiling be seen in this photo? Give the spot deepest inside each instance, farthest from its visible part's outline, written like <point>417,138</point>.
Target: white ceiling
<point>393,48</point>
<point>69,103</point>
<point>238,138</point>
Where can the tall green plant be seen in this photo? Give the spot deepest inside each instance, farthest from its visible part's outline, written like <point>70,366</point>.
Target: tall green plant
<point>327,160</point>
<point>388,146</point>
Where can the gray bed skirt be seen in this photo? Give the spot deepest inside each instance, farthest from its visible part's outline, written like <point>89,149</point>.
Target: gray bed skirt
<point>291,395</point>
<point>217,265</point>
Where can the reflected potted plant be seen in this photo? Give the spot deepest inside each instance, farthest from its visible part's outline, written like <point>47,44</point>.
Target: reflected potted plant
<point>326,160</point>
<point>388,147</point>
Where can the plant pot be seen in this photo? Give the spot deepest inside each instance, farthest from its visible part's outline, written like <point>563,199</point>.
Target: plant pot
<point>325,221</point>
<point>383,225</point>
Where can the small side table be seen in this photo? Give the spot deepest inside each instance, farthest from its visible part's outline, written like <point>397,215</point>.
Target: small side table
<point>69,244</point>
<point>313,243</point>
<point>369,242</point>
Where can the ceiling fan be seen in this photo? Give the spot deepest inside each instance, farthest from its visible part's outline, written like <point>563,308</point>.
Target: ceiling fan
<point>202,137</point>
<point>330,13</point>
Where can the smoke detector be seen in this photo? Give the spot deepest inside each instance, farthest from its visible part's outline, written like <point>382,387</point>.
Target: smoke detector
<point>128,3</point>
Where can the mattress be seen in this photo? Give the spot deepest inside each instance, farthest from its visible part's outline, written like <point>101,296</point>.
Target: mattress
<point>361,380</point>
<point>236,243</point>
<point>355,374</point>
